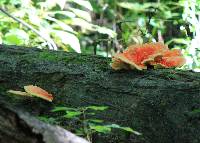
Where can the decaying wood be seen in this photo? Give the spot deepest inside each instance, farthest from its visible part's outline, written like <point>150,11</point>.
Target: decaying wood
<point>161,104</point>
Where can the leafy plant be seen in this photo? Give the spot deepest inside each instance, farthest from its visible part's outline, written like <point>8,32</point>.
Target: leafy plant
<point>88,125</point>
<point>49,23</point>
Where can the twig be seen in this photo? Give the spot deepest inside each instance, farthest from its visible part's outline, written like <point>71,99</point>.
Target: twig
<point>51,44</point>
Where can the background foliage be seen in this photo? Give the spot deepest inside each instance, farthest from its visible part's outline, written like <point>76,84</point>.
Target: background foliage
<point>102,27</point>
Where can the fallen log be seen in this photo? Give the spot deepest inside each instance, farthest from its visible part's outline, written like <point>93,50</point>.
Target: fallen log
<point>161,104</point>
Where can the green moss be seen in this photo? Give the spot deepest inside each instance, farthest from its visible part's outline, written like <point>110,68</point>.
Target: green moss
<point>169,74</point>
<point>46,55</point>
<point>72,58</point>
<point>172,76</point>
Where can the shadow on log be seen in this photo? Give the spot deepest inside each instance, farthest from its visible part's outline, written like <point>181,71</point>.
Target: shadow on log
<point>161,104</point>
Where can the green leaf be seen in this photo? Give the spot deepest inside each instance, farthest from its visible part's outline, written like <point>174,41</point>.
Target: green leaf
<point>72,114</point>
<point>179,41</point>
<point>33,17</point>
<point>105,30</point>
<point>82,14</point>
<point>61,24</point>
<point>68,39</point>
<point>2,2</point>
<point>90,113</point>
<point>57,109</point>
<point>114,126</point>
<point>137,6</point>
<point>84,3</point>
<point>82,23</point>
<point>16,37</point>
<point>52,3</point>
<point>128,129</point>
<point>15,2</point>
<point>95,120</point>
<point>195,111</point>
<point>49,120</point>
<point>61,3</point>
<point>80,132</point>
<point>12,39</point>
<point>100,108</point>
<point>65,13</point>
<point>86,25</point>
<point>100,129</point>
<point>1,40</point>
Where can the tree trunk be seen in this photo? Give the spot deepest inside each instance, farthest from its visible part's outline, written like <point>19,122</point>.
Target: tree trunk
<point>161,104</point>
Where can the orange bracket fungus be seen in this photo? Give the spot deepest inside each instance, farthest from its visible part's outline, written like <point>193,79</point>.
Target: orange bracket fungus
<point>139,56</point>
<point>33,91</point>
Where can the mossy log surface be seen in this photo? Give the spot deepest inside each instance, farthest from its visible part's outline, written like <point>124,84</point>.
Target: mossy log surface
<point>161,104</point>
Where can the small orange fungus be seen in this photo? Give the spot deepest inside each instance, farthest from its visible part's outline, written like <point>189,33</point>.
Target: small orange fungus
<point>16,92</point>
<point>39,92</point>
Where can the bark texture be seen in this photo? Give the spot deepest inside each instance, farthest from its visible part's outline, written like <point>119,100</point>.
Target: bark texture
<point>161,104</point>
